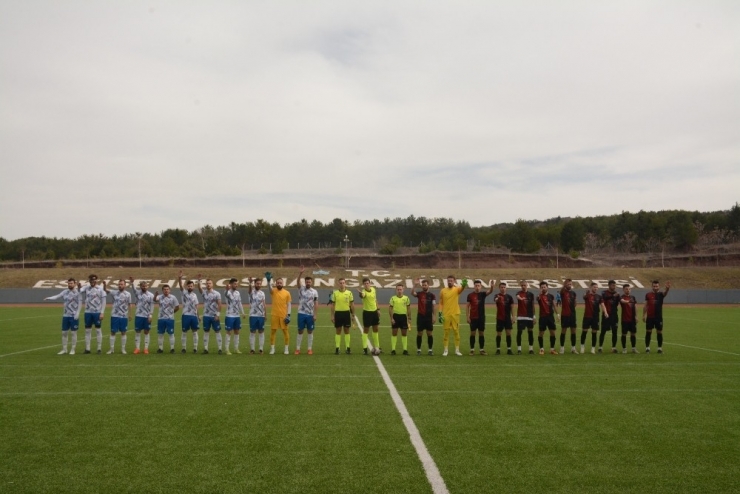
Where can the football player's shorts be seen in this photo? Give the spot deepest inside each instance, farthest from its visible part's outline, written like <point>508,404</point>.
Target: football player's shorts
<point>424,323</point>
<point>92,318</point>
<point>70,324</point>
<point>477,325</point>
<point>629,327</point>
<point>256,323</point>
<point>166,326</point>
<point>118,324</point>
<point>502,324</point>
<point>590,323</point>
<point>522,324</point>
<point>568,322</point>
<point>142,323</point>
<point>233,323</point>
<point>305,321</point>
<point>189,322</point>
<point>547,322</point>
<point>210,322</point>
<point>654,323</point>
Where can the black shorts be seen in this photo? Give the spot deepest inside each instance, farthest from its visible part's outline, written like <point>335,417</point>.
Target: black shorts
<point>424,323</point>
<point>547,322</point>
<point>609,324</point>
<point>629,327</point>
<point>522,324</point>
<point>568,322</point>
<point>503,324</point>
<point>370,318</point>
<point>342,319</point>
<point>590,323</point>
<point>400,321</point>
<point>652,323</point>
<point>477,325</point>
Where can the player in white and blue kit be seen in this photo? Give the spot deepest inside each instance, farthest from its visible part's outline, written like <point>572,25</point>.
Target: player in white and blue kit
<point>120,315</point>
<point>234,315</point>
<point>256,314</point>
<point>71,315</point>
<point>168,305</point>
<point>144,310</point>
<point>308,299</point>
<point>211,314</point>
<point>190,318</point>
<point>94,297</point>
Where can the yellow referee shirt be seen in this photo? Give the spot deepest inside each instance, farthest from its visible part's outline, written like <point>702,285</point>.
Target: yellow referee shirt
<point>341,300</point>
<point>400,304</point>
<point>369,300</point>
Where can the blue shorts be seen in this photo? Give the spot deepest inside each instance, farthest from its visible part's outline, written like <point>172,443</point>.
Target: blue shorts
<point>92,318</point>
<point>142,323</point>
<point>305,321</point>
<point>118,324</point>
<point>166,326</point>
<point>70,324</point>
<point>210,322</point>
<point>189,322</point>
<point>233,323</point>
<point>256,323</point>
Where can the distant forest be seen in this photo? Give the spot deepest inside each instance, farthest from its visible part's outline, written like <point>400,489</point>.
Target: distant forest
<point>644,231</point>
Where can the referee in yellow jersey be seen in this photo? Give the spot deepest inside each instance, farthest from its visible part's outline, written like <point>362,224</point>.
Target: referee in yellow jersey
<point>342,314</point>
<point>399,309</point>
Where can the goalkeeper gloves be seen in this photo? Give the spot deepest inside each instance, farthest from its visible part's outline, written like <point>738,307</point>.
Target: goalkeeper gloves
<point>464,283</point>
<point>268,276</point>
<point>287,319</point>
<point>440,318</point>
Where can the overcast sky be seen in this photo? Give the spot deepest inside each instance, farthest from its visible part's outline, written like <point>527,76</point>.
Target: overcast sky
<point>143,116</point>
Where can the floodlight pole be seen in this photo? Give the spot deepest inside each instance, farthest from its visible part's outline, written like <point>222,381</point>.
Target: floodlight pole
<point>346,251</point>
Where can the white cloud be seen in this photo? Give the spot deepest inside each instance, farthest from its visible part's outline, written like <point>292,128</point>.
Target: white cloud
<point>184,115</point>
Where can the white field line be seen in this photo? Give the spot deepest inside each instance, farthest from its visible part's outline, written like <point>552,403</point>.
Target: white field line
<point>186,393</point>
<point>430,467</point>
<point>30,350</point>
<point>29,317</point>
<point>701,348</point>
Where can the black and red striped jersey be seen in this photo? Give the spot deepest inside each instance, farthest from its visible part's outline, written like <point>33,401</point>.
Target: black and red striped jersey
<point>525,304</point>
<point>503,306</point>
<point>547,304</point>
<point>654,304</point>
<point>477,305</point>
<point>426,303</point>
<point>592,303</point>
<point>629,304</point>
<point>568,299</point>
<point>611,302</point>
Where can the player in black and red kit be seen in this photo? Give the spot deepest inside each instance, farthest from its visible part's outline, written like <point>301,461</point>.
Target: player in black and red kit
<point>652,314</point>
<point>476,312</point>
<point>424,315</point>
<point>629,319</point>
<point>548,310</point>
<point>568,315</point>
<point>592,307</point>
<point>524,317</point>
<point>609,316</point>
<point>504,317</point>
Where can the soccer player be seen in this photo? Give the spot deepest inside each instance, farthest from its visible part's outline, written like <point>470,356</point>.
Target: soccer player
<point>234,314</point>
<point>399,308</point>
<point>168,305</point>
<point>504,317</point>
<point>524,317</point>
<point>308,308</point>
<point>120,315</point>
<point>256,314</point>
<point>652,314</point>
<point>211,314</point>
<point>94,297</point>
<point>476,314</point>
<point>548,311</point>
<point>568,316</point>
<point>342,314</point>
<point>190,319</point>
<point>629,318</point>
<point>449,312</point>
<point>280,318</point>
<point>609,316</point>
<point>70,316</point>
<point>143,318</point>
<point>370,313</point>
<point>592,306</point>
<point>424,315</point>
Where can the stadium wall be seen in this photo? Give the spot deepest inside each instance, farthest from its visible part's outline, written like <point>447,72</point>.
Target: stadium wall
<point>676,296</point>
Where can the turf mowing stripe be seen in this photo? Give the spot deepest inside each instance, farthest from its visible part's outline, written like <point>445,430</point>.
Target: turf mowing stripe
<point>700,348</point>
<point>186,393</point>
<point>26,351</point>
<point>430,467</point>
<point>30,317</point>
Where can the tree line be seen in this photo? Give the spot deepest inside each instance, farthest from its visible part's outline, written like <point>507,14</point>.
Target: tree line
<point>644,231</point>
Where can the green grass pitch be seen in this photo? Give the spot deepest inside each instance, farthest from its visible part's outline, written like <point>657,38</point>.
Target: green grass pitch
<point>326,423</point>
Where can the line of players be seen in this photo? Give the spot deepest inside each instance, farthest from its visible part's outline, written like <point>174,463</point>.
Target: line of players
<point>604,306</point>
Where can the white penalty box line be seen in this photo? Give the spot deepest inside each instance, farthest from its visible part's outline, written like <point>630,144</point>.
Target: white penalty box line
<point>430,467</point>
